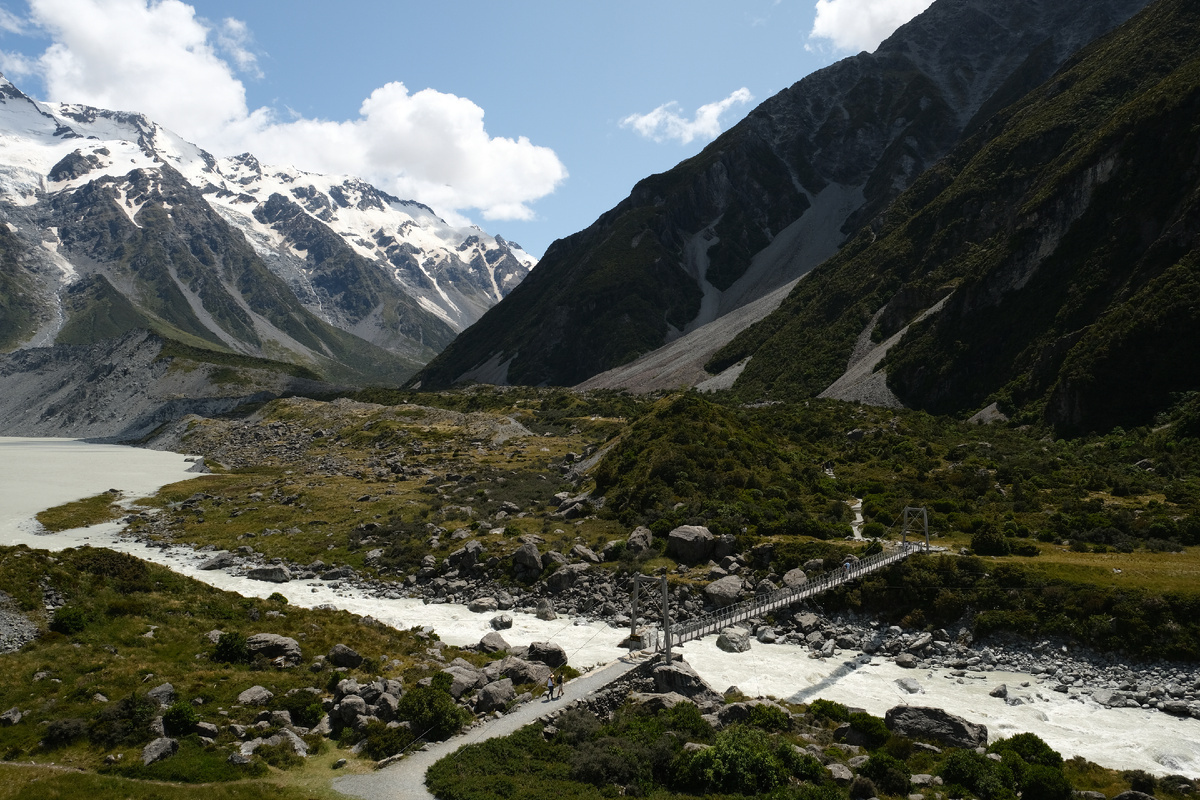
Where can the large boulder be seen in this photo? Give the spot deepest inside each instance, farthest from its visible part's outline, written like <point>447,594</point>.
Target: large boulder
<point>493,642</point>
<point>519,671</point>
<point>275,573</point>
<point>548,653</point>
<point>640,541</point>
<point>527,562</point>
<point>463,679</point>
<point>565,577</point>
<point>734,640</point>
<point>501,622</point>
<point>221,560</point>
<point>724,592</point>
<point>344,657</point>
<point>272,646</point>
<point>255,696</point>
<point>482,605</point>
<point>934,724</point>
<point>159,749</point>
<point>794,578</point>
<point>690,544</point>
<point>679,677</point>
<point>545,610</point>
<point>163,694</point>
<point>495,696</point>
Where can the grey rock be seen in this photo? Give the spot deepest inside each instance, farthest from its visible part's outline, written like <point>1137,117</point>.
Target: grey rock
<point>734,640</point>
<point>549,653</point>
<point>465,679</point>
<point>807,622</point>
<point>725,591</point>
<point>794,577</point>
<point>351,708</point>
<point>906,660</point>
<point>481,605</point>
<point>207,729</point>
<point>658,702</point>
<point>910,685</point>
<point>679,677</point>
<point>255,696</point>
<point>494,642</point>
<point>273,646</point>
<point>1000,691</point>
<point>501,622</point>
<point>163,694</point>
<point>919,722</point>
<point>545,610</point>
<point>690,544</point>
<point>239,758</point>
<point>841,773</point>
<point>640,541</point>
<point>221,560</point>
<point>495,696</point>
<point>157,750</point>
<point>11,717</point>
<point>274,573</point>
<point>344,657</point>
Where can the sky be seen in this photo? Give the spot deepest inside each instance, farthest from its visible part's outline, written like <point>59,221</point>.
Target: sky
<point>529,118</point>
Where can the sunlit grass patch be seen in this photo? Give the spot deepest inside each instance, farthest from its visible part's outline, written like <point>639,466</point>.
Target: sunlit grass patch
<point>82,513</point>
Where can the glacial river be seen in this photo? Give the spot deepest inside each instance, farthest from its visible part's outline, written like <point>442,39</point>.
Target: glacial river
<point>39,473</point>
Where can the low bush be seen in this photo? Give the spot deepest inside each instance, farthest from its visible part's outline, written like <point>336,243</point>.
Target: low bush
<point>126,721</point>
<point>890,775</point>
<point>69,619</point>
<point>180,718</point>
<point>62,732</point>
<point>827,709</point>
<point>873,729</point>
<point>231,649</point>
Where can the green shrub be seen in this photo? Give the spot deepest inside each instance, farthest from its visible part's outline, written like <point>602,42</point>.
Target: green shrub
<point>1041,782</point>
<point>769,718</point>
<point>862,788</point>
<point>431,710</point>
<point>69,619</point>
<point>276,597</point>
<point>1030,748</point>
<point>827,709</point>
<point>231,649</point>
<point>889,774</point>
<point>62,732</point>
<point>125,722</point>
<point>610,760</point>
<point>180,718</point>
<point>193,763</point>
<point>280,756</point>
<point>978,774</point>
<point>990,542</point>
<point>743,760</point>
<point>303,707</point>
<point>383,742</point>
<point>873,729</point>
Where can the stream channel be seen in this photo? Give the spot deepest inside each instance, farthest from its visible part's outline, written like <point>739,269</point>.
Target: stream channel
<point>40,473</point>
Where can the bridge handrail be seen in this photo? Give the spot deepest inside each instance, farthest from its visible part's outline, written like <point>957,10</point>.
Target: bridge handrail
<point>685,631</point>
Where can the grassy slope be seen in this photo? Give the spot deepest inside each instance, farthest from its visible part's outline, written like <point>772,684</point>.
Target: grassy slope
<point>1112,271</point>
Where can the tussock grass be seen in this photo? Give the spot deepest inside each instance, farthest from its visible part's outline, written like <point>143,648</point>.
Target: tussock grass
<point>81,513</point>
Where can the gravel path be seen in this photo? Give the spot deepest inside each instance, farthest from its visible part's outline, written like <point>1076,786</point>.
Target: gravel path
<point>405,780</point>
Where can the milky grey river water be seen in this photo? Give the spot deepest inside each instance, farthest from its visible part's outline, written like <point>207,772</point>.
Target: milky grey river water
<point>39,473</point>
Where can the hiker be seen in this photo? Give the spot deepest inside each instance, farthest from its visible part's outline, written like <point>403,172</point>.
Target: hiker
<point>559,679</point>
<point>550,687</point>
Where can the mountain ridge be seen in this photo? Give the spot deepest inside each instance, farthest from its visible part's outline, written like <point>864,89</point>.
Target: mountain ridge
<point>694,243</point>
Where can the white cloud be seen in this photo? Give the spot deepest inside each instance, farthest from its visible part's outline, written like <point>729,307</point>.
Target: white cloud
<point>857,25</point>
<point>234,38</point>
<point>158,58</point>
<point>666,122</point>
<point>11,22</point>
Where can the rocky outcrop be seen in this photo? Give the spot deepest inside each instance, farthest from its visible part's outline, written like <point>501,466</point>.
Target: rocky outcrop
<point>283,650</point>
<point>690,544</point>
<point>934,724</point>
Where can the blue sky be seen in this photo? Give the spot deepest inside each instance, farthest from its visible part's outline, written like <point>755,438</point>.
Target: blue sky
<point>535,118</point>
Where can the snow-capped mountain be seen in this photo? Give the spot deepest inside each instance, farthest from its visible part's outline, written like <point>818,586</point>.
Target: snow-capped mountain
<point>386,270</point>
